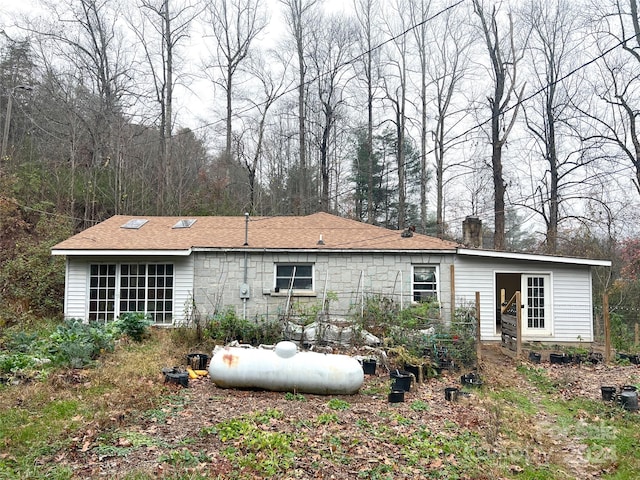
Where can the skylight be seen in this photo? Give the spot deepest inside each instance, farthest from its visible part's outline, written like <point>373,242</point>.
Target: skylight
<point>135,224</point>
<point>185,223</point>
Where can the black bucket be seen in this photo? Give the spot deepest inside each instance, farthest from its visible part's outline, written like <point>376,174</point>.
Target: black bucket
<point>396,396</point>
<point>471,379</point>
<point>559,358</point>
<point>451,394</point>
<point>176,377</point>
<point>197,361</point>
<point>629,400</point>
<point>534,357</point>
<point>402,382</point>
<point>608,393</point>
<point>369,366</point>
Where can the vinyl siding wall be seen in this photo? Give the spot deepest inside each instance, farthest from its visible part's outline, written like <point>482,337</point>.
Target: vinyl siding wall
<point>572,317</point>
<point>77,282</point>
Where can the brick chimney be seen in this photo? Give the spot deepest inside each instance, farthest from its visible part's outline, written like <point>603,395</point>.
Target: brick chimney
<point>472,232</point>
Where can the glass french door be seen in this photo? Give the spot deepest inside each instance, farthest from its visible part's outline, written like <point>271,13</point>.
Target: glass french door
<point>536,298</point>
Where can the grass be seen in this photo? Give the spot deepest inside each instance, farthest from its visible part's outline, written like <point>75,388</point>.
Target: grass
<point>39,419</point>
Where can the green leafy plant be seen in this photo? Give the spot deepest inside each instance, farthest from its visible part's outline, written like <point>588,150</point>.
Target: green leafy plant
<point>76,344</point>
<point>133,324</point>
<point>338,404</point>
<point>227,326</point>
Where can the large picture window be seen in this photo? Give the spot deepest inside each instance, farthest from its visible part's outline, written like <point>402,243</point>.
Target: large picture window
<point>294,276</point>
<point>145,288</point>
<point>425,283</point>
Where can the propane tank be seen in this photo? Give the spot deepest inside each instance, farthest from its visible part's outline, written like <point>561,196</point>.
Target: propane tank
<point>285,369</point>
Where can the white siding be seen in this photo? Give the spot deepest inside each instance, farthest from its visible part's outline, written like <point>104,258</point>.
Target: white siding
<point>76,288</point>
<point>571,294</point>
<point>76,302</point>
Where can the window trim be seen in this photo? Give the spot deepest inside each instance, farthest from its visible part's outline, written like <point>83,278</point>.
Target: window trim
<point>436,272</point>
<point>294,291</point>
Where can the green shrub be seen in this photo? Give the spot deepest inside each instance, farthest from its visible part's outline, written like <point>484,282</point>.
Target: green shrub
<point>227,326</point>
<point>77,344</point>
<point>133,324</point>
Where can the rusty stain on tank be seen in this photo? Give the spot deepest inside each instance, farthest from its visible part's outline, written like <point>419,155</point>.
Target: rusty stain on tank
<point>230,360</point>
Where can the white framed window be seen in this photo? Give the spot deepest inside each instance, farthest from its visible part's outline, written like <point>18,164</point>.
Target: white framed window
<point>424,283</point>
<point>294,276</point>
<point>131,287</point>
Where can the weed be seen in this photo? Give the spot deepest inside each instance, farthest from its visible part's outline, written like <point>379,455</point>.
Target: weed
<point>184,458</point>
<point>419,406</point>
<point>338,404</point>
<point>294,397</point>
<point>327,418</point>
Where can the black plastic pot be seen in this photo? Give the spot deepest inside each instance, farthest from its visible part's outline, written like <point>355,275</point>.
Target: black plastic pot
<point>608,393</point>
<point>414,369</point>
<point>396,396</point>
<point>534,357</point>
<point>176,377</point>
<point>401,382</point>
<point>197,361</point>
<point>629,400</point>
<point>471,379</point>
<point>369,366</point>
<point>559,358</point>
<point>451,394</point>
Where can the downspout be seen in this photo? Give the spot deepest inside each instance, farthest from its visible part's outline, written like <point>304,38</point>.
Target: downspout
<point>244,288</point>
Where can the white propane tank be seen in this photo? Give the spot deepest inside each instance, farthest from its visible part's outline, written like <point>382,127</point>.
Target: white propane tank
<point>285,369</point>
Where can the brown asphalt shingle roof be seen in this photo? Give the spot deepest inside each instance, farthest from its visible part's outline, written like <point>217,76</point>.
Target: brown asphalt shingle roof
<point>284,232</point>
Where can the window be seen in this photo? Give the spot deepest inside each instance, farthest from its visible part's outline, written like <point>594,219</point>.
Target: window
<point>135,224</point>
<point>184,223</point>
<point>146,288</point>
<point>294,276</point>
<point>102,292</point>
<point>425,284</point>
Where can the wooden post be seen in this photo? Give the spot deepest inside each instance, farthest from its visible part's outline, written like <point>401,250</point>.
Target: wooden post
<point>637,338</point>
<point>518,325</point>
<point>452,281</point>
<point>478,334</point>
<point>607,328</point>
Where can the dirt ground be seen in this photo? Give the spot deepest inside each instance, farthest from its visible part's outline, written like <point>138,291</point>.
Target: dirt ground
<point>339,449</point>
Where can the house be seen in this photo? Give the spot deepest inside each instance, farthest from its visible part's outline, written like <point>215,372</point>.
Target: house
<point>262,266</point>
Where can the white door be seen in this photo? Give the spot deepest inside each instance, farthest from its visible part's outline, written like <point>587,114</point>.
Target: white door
<point>536,299</point>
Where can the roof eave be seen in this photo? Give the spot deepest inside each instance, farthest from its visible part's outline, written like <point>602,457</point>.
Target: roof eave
<point>432,251</point>
<point>119,253</point>
<point>533,257</point>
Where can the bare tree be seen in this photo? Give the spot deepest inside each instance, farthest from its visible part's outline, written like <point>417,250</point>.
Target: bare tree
<point>169,21</point>
<point>272,86</point>
<point>367,13</point>
<point>395,87</point>
<point>87,36</point>
<point>420,16</point>
<point>235,24</point>
<point>554,49</point>
<point>504,101</point>
<point>331,49</point>
<point>301,16</point>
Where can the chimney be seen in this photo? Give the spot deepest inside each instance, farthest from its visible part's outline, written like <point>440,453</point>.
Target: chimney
<point>472,232</point>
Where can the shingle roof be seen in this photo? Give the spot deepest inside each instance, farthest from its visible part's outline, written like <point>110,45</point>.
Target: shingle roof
<point>285,232</point>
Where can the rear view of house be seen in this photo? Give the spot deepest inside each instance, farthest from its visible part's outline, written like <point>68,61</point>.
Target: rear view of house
<point>262,266</point>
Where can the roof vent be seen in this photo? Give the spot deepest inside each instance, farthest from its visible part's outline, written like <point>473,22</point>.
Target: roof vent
<point>185,223</point>
<point>135,224</point>
<point>320,240</point>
